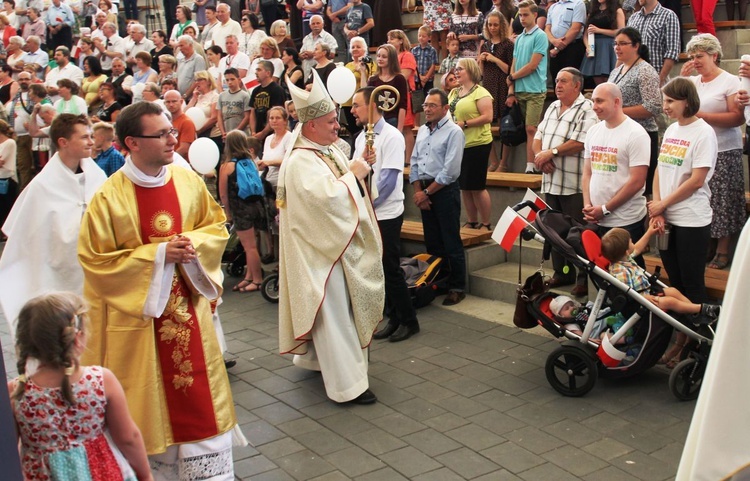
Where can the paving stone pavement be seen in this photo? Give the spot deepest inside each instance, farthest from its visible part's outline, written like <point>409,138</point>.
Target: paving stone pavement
<point>464,399</point>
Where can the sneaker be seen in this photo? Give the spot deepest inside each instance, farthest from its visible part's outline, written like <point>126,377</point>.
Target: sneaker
<point>711,310</point>
<point>531,169</point>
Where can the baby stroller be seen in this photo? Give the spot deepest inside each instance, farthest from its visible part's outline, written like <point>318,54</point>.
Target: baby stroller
<point>234,255</point>
<point>634,346</point>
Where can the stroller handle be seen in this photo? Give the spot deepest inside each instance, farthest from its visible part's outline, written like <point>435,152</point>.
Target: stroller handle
<point>526,203</point>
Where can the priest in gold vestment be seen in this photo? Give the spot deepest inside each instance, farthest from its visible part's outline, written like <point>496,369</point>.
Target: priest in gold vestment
<point>331,283</point>
<point>150,246</point>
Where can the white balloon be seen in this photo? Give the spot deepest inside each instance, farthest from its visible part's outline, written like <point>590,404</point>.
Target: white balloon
<point>341,84</point>
<point>203,155</point>
<point>138,89</point>
<point>197,116</point>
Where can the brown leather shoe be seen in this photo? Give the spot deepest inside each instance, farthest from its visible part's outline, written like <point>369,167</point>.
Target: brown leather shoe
<point>559,281</point>
<point>580,291</point>
<point>453,298</point>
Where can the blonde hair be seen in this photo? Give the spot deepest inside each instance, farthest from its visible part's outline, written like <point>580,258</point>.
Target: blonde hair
<point>705,42</point>
<point>399,34</point>
<point>106,126</point>
<point>166,58</point>
<point>425,30</point>
<point>46,331</point>
<point>472,68</point>
<point>204,75</point>
<point>271,42</point>
<point>503,25</point>
<point>236,146</point>
<point>275,26</point>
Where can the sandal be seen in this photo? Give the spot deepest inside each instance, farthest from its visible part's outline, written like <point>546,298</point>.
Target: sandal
<point>247,287</point>
<point>485,226</point>
<point>242,284</point>
<point>470,225</point>
<point>720,261</point>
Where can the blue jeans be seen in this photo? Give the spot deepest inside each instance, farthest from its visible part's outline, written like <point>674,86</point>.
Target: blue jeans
<point>442,233</point>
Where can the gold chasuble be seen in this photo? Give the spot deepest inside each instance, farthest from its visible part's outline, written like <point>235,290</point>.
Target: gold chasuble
<point>336,223</point>
<point>170,366</point>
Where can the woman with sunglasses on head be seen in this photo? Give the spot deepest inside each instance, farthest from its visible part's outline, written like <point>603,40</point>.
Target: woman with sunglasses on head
<point>252,35</point>
<point>639,84</point>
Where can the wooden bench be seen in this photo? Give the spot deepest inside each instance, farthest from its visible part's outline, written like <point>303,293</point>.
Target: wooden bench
<point>412,230</point>
<point>716,279</point>
<point>505,179</point>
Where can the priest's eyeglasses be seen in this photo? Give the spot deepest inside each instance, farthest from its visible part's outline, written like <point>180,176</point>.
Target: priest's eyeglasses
<point>163,136</point>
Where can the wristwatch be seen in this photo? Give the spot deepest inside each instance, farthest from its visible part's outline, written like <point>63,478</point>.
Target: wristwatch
<point>510,76</point>
<point>426,191</point>
<point>555,152</point>
<point>466,125</point>
<point>605,211</point>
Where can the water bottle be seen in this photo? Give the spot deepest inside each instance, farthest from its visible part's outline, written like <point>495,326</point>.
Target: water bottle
<point>745,82</point>
<point>592,38</point>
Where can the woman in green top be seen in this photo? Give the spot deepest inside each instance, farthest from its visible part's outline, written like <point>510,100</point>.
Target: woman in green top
<point>471,106</point>
<point>70,102</point>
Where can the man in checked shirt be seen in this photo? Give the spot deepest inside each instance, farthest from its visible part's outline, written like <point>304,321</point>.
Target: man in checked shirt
<point>558,154</point>
<point>660,30</point>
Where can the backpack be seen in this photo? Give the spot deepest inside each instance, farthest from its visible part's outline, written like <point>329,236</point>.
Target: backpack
<point>513,127</point>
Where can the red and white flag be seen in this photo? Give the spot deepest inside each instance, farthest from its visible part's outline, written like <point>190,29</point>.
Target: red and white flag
<point>527,212</point>
<point>508,228</point>
<point>251,84</point>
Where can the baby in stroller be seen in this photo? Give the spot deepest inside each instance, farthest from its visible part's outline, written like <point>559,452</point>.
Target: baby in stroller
<point>572,315</point>
<point>619,250</point>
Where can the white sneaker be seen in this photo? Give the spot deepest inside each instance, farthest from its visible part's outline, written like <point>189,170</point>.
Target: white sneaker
<point>530,168</point>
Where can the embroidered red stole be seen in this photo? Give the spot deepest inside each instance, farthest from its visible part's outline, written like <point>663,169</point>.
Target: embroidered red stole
<point>177,331</point>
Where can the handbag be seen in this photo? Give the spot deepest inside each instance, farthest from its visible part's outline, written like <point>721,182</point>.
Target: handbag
<point>417,98</point>
<point>513,127</point>
<point>534,286</point>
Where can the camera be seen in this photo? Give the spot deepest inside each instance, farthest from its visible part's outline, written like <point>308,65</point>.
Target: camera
<point>366,59</point>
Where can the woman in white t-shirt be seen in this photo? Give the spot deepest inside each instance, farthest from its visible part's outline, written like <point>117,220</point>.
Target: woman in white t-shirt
<point>276,145</point>
<point>681,194</point>
<point>8,174</point>
<point>717,90</point>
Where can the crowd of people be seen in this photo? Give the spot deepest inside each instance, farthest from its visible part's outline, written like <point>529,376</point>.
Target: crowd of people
<point>97,108</point>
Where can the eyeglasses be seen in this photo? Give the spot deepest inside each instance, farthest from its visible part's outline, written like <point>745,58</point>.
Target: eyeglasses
<point>430,106</point>
<point>163,136</point>
<point>621,44</point>
<point>458,69</point>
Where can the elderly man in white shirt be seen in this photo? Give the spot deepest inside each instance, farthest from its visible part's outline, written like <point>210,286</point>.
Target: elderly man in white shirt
<point>111,48</point>
<point>226,26</point>
<point>234,58</point>
<point>317,34</point>
<point>64,69</point>
<point>35,55</point>
<point>139,43</point>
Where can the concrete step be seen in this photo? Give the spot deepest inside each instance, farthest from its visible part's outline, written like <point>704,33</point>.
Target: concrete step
<point>743,49</point>
<point>499,282</point>
<point>531,254</point>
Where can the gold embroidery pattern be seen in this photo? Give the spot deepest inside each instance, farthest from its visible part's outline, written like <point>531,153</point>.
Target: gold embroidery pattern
<point>176,327</point>
<point>162,222</point>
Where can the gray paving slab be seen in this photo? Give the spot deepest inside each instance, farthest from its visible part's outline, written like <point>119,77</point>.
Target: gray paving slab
<point>466,398</point>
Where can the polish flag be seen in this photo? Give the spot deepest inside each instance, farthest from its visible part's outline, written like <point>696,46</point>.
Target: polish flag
<point>251,84</point>
<point>508,228</point>
<point>527,212</point>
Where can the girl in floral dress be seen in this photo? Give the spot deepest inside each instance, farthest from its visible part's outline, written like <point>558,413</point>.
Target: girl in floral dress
<point>437,16</point>
<point>466,25</point>
<point>61,408</point>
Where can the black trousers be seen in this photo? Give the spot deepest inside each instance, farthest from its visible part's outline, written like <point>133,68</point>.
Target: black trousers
<point>170,6</point>
<point>570,56</point>
<point>63,38</point>
<point>571,205</point>
<point>653,162</point>
<point>398,305</point>
<point>685,260</point>
<point>270,14</point>
<point>442,233</point>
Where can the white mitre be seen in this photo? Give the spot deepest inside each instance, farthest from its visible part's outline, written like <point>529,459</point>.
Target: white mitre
<point>313,104</point>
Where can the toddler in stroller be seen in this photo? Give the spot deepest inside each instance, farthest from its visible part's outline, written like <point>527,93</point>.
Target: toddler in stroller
<point>619,250</point>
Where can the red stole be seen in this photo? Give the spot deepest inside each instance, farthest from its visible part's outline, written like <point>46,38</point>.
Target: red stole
<point>178,334</point>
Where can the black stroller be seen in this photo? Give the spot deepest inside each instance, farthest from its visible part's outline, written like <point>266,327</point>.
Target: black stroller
<point>634,346</point>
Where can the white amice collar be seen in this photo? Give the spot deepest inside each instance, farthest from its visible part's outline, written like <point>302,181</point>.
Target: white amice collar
<point>141,179</point>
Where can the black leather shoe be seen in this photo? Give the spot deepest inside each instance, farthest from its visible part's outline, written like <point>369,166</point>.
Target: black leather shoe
<point>403,333</point>
<point>385,332</point>
<point>580,291</point>
<point>230,363</point>
<point>367,397</point>
<point>453,298</point>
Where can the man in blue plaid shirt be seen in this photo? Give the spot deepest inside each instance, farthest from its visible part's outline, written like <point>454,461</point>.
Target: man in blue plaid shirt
<point>660,30</point>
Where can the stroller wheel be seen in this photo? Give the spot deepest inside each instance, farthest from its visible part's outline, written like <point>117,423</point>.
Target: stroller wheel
<point>235,269</point>
<point>269,289</point>
<point>686,379</point>
<point>571,371</point>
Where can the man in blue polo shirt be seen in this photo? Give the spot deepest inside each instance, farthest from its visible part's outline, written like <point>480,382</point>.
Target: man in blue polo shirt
<point>565,20</point>
<point>527,80</point>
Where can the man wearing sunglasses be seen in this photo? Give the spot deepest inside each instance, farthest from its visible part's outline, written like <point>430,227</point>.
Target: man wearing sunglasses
<point>150,247</point>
